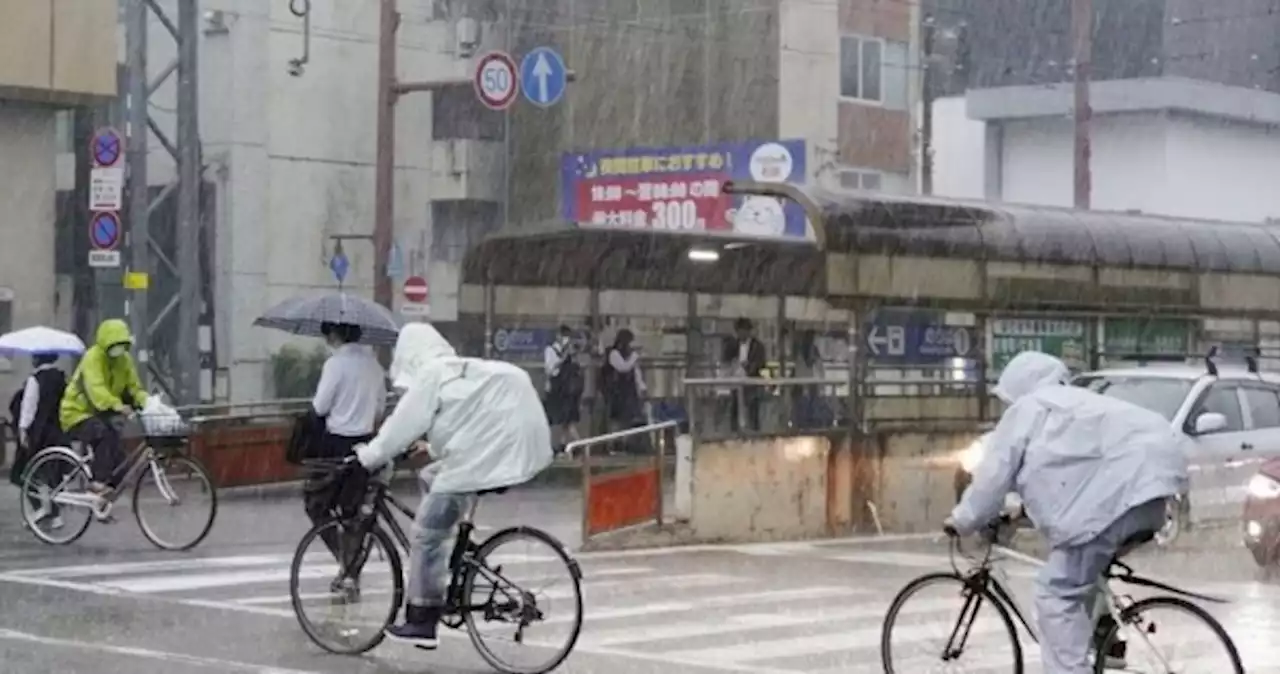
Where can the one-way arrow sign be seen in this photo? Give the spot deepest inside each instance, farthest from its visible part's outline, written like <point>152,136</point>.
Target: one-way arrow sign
<point>543,77</point>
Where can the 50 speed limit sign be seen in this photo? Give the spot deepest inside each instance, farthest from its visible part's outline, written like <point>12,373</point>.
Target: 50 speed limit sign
<point>496,80</point>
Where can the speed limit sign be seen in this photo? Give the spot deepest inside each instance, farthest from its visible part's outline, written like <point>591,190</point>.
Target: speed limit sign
<point>496,80</point>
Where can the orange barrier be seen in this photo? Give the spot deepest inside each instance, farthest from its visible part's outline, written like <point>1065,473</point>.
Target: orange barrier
<point>624,498</point>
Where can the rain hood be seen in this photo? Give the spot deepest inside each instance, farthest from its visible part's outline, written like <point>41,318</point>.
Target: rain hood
<point>1079,460</point>
<point>483,419</point>
<point>113,331</point>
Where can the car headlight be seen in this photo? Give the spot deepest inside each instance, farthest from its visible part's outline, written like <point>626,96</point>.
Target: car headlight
<point>972,455</point>
<point>1264,487</point>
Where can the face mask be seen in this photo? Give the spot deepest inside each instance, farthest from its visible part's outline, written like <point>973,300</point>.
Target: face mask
<point>116,351</point>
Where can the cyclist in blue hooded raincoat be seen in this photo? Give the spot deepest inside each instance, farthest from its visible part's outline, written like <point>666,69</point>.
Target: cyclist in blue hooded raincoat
<point>1091,471</point>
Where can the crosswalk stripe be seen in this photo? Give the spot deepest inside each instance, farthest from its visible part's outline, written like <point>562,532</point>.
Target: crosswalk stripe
<point>720,601</point>
<point>926,561</point>
<point>754,621</point>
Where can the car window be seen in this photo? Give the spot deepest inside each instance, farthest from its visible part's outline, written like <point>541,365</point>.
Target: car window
<point>1223,399</point>
<point>1162,395</point>
<point>1264,406</point>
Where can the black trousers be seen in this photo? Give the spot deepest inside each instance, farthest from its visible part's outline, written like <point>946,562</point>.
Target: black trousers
<point>319,491</point>
<point>102,433</point>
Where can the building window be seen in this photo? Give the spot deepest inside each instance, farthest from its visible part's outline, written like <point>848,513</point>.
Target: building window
<point>861,64</point>
<point>860,179</point>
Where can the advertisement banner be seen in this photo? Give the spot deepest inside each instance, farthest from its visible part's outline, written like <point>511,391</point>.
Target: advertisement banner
<point>1127,338</point>
<point>677,189</point>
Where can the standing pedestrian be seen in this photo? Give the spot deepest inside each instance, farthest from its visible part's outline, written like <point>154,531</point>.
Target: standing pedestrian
<point>747,357</point>
<point>622,384</point>
<point>38,426</point>
<point>564,386</point>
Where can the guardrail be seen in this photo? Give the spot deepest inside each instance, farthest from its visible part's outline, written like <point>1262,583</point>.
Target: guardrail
<point>627,497</point>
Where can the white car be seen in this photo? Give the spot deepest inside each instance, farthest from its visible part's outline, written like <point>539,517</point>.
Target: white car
<point>1232,418</point>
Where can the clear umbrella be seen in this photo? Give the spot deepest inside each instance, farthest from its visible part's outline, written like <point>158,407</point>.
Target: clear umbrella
<point>40,340</point>
<point>305,315</point>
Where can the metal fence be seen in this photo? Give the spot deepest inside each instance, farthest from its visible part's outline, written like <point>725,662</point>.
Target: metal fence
<point>630,492</point>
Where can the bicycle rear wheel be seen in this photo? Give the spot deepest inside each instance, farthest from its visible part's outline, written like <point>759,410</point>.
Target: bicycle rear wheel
<point>508,591</point>
<point>54,474</point>
<point>957,614</point>
<point>177,487</point>
<point>1198,641</point>
<point>343,604</point>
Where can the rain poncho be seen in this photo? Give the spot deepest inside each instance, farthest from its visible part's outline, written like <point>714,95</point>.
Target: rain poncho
<point>1078,459</point>
<point>483,419</point>
<point>100,382</point>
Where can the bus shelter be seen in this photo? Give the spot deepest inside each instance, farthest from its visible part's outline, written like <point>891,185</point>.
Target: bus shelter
<point>927,298</point>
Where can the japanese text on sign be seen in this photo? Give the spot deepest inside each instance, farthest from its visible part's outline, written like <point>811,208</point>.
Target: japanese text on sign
<point>668,204</point>
<point>1063,338</point>
<point>676,163</point>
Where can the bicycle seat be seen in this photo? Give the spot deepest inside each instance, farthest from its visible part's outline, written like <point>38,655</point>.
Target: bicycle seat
<point>486,492</point>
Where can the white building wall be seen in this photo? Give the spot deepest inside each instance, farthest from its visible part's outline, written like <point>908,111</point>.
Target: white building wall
<point>294,156</point>
<point>1222,170</point>
<point>809,81</point>
<point>959,149</point>
<point>27,175</point>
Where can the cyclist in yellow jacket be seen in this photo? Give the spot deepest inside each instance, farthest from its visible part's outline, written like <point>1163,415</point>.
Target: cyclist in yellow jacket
<point>103,391</point>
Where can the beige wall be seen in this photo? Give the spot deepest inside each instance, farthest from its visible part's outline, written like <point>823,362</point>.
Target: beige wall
<point>27,175</point>
<point>61,51</point>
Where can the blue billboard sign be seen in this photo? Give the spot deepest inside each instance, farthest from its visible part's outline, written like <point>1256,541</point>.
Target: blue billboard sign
<point>678,189</point>
<point>914,337</point>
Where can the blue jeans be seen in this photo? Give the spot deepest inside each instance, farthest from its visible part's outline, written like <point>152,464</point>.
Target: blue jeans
<point>432,541</point>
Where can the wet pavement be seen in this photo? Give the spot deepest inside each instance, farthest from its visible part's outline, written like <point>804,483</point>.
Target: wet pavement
<point>110,603</point>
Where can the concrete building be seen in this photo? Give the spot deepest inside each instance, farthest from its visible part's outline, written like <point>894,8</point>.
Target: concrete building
<point>54,55</point>
<point>1186,104</point>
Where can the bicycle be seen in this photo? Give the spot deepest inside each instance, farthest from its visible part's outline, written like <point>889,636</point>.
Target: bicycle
<point>57,480</point>
<point>982,585</point>
<point>473,569</point>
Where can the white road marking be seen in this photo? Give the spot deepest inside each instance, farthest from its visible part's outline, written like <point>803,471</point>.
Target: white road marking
<point>149,654</point>
<point>722,601</point>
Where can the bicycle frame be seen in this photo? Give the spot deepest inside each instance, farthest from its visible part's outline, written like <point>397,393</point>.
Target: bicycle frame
<point>142,458</point>
<point>986,576</point>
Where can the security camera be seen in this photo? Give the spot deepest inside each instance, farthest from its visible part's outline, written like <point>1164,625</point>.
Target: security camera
<point>467,32</point>
<point>295,67</point>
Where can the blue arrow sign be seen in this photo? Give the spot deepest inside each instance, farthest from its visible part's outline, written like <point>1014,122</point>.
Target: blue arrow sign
<point>339,265</point>
<point>543,77</point>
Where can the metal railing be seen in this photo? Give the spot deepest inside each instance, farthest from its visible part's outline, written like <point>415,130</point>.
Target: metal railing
<point>749,407</point>
<point>660,451</point>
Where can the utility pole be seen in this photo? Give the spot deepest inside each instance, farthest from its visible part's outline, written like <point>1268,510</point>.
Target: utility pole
<point>190,300</point>
<point>927,82</point>
<point>184,147</point>
<point>139,197</point>
<point>384,172</point>
<point>1082,43</point>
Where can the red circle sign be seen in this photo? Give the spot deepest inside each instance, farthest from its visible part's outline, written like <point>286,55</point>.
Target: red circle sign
<point>415,289</point>
<point>496,80</point>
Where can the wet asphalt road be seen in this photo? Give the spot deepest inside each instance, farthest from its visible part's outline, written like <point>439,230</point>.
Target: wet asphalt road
<point>111,603</point>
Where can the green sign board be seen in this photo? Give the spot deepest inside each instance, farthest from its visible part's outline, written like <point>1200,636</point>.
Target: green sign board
<point>1065,338</point>
<point>1127,338</point>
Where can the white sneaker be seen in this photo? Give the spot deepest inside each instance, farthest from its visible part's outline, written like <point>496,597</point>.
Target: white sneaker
<point>56,523</point>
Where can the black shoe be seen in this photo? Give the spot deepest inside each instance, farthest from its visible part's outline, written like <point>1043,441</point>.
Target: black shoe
<point>1117,650</point>
<point>419,628</point>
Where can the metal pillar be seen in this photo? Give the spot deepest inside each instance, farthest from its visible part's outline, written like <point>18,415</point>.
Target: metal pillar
<point>184,356</point>
<point>1082,49</point>
<point>139,199</point>
<point>190,302</point>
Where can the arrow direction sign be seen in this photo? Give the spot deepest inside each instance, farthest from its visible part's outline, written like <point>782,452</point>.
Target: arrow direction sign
<point>543,77</point>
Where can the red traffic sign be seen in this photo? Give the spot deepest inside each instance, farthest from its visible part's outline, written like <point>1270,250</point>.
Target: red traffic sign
<point>107,147</point>
<point>415,289</point>
<point>104,230</point>
<point>496,80</point>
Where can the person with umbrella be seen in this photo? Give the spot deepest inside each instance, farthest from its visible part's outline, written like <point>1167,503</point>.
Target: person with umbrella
<point>351,396</point>
<point>35,407</point>
<point>104,390</point>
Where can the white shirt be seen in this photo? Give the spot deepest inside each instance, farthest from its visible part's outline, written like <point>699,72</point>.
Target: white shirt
<point>31,399</point>
<point>352,392</point>
<point>553,357</point>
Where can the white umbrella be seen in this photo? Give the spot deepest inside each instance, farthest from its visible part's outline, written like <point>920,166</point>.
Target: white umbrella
<point>40,341</point>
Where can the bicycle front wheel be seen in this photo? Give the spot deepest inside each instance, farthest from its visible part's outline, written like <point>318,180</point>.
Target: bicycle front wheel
<point>49,483</point>
<point>1164,635</point>
<point>510,592</point>
<point>959,626</point>
<point>346,588</point>
<point>174,502</point>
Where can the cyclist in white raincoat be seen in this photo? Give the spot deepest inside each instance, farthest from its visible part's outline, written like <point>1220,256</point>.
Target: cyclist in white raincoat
<point>1092,472</point>
<point>485,427</point>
